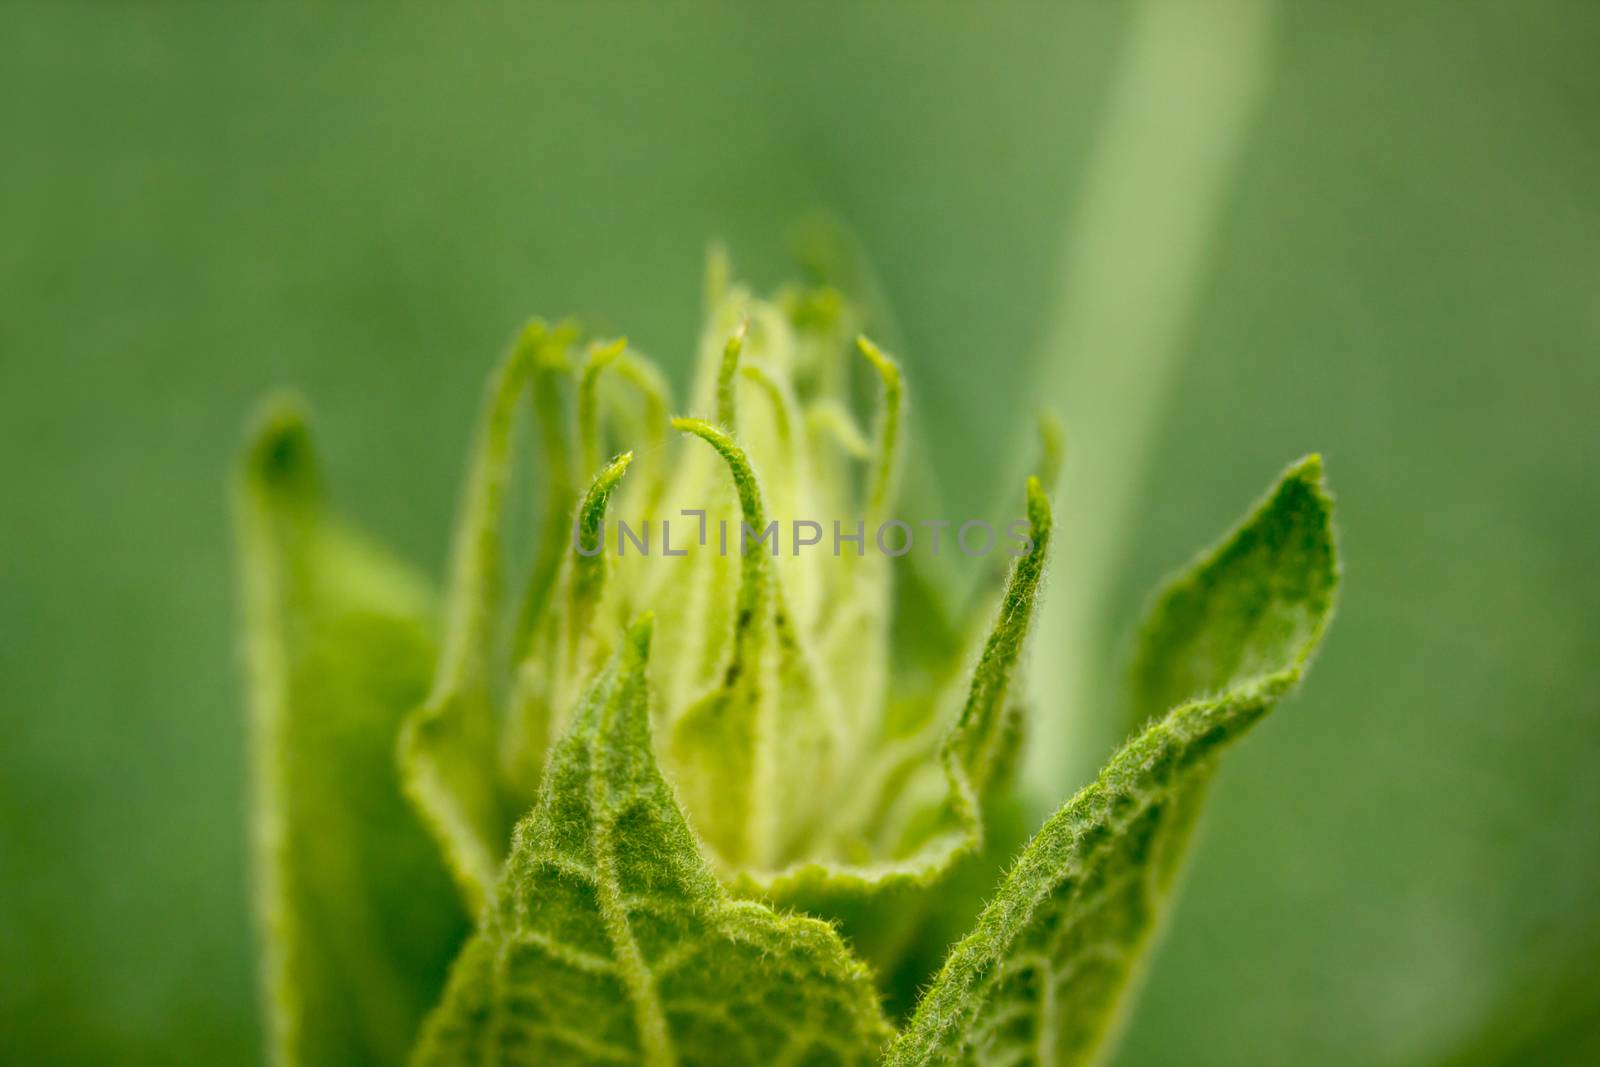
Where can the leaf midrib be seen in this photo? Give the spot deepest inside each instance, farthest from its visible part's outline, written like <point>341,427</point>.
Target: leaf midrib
<point>649,1016</point>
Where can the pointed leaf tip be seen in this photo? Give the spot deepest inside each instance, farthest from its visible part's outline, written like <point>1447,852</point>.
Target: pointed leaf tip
<point>337,649</point>
<point>279,454</point>
<point>1254,604</point>
<point>1308,467</point>
<point>626,723</point>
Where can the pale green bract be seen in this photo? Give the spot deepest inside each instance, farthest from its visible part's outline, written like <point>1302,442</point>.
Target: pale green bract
<point>713,806</point>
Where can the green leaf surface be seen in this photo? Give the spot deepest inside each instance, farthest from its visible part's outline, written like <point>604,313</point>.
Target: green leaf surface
<point>610,941</point>
<point>1044,976</point>
<point>357,916</point>
<point>1245,608</point>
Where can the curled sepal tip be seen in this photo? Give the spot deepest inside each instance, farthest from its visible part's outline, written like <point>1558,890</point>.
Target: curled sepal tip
<point>977,746</point>
<point>880,495</point>
<point>744,476</point>
<point>727,370</point>
<point>589,536</point>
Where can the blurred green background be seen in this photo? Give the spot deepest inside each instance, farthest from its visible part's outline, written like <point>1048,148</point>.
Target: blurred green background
<point>1369,229</point>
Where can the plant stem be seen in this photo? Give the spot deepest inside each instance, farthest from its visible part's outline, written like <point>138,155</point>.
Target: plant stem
<point>1178,117</point>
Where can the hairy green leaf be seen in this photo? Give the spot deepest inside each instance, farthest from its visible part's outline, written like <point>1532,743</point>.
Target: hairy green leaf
<point>1246,607</point>
<point>356,913</point>
<point>1043,978</point>
<point>611,941</point>
<point>829,758</point>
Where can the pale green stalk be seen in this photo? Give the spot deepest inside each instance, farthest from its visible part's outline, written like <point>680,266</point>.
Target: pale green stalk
<point>1180,111</point>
